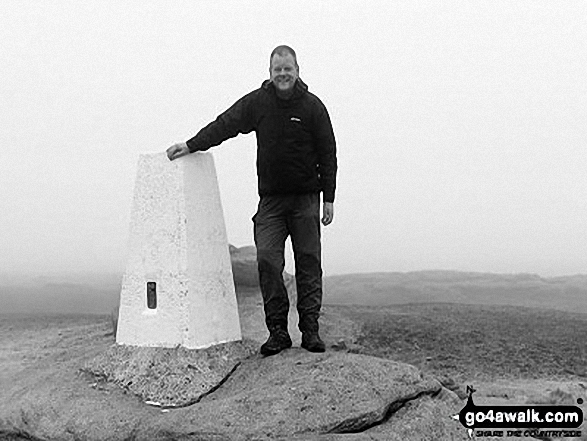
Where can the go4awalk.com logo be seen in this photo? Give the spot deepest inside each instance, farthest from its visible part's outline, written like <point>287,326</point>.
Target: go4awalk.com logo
<point>535,421</point>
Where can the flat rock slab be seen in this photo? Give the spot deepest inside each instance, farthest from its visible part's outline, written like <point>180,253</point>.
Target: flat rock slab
<point>296,393</point>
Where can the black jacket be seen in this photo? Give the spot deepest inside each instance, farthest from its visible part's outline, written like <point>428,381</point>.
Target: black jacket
<point>296,149</point>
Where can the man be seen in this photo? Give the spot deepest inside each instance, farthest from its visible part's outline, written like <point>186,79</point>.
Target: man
<point>296,161</point>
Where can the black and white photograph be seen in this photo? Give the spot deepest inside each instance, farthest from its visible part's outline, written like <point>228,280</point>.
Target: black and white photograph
<point>312,220</point>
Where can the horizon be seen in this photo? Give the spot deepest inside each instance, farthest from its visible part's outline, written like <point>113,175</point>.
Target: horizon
<point>69,276</point>
<point>459,125</point>
<point>99,293</point>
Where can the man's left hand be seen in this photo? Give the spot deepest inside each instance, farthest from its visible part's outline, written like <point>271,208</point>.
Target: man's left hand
<point>327,213</point>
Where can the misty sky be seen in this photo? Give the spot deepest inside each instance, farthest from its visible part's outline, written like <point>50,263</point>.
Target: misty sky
<point>461,125</point>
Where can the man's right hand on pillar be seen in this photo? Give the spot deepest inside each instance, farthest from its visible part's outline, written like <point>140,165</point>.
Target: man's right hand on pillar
<point>177,150</point>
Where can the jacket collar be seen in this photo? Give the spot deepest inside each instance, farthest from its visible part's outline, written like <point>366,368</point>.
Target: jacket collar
<point>300,88</point>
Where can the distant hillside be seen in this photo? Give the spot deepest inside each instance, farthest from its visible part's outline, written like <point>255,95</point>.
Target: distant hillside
<point>100,293</point>
<point>567,293</point>
<point>71,294</point>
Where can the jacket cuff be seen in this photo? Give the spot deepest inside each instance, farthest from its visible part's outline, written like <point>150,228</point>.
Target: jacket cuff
<point>193,145</point>
<point>328,196</point>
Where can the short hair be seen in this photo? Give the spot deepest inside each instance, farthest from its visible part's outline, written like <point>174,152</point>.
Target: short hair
<point>284,50</point>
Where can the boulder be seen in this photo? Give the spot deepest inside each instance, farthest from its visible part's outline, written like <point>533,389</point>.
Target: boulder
<point>244,266</point>
<point>293,395</point>
<point>246,274</point>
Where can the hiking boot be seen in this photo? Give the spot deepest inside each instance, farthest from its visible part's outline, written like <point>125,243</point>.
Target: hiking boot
<point>313,343</point>
<point>277,342</point>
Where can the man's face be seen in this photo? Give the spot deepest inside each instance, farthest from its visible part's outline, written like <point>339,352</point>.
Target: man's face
<point>283,73</point>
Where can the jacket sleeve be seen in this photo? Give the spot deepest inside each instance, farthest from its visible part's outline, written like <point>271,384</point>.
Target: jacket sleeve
<point>237,119</point>
<point>326,147</point>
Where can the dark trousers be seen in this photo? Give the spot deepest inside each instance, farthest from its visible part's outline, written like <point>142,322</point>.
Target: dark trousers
<point>277,218</point>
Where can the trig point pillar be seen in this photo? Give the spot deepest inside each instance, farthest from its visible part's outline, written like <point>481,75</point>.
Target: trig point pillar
<point>178,287</point>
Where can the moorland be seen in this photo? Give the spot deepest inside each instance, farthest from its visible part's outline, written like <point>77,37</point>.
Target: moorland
<point>515,337</point>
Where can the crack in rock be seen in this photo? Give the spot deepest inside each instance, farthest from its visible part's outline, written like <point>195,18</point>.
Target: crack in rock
<point>205,394</point>
<point>375,418</point>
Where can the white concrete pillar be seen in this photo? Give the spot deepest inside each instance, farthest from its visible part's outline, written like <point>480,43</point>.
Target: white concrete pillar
<point>178,287</point>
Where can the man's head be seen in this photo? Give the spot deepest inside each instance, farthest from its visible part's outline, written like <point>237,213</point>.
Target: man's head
<point>283,70</point>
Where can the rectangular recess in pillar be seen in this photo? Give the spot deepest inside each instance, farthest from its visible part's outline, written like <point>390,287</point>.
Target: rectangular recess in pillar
<point>151,295</point>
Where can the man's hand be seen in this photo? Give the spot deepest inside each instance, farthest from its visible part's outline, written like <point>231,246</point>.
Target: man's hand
<point>177,151</point>
<point>327,213</point>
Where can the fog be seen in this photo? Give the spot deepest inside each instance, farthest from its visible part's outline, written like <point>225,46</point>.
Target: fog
<point>460,126</point>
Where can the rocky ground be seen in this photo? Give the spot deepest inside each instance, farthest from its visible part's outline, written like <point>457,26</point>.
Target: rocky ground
<point>64,378</point>
<point>59,385</point>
